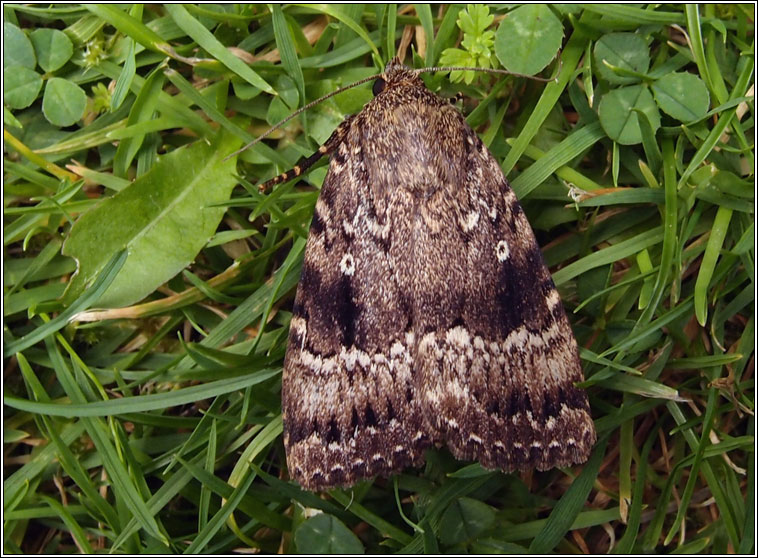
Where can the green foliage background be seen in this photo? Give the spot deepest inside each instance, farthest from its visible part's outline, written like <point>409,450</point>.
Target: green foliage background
<point>142,410</point>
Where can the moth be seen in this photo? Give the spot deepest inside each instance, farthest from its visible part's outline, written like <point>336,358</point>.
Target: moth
<point>425,314</point>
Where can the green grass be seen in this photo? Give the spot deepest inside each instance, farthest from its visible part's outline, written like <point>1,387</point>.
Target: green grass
<point>156,427</point>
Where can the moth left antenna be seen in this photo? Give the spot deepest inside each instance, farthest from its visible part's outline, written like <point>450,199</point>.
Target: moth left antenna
<point>299,111</point>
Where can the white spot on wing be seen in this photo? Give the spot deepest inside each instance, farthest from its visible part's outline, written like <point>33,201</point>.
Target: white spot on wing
<point>458,336</point>
<point>502,251</point>
<point>349,358</point>
<point>397,349</point>
<point>471,221</point>
<point>553,299</point>
<point>347,264</point>
<point>364,360</point>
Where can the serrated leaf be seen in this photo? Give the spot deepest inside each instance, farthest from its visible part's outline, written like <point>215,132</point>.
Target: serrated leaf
<point>325,534</point>
<point>682,95</point>
<point>475,19</point>
<point>477,41</point>
<point>528,39</point>
<point>458,57</point>
<point>64,102</point>
<point>163,219</point>
<point>618,116</point>
<point>53,48</point>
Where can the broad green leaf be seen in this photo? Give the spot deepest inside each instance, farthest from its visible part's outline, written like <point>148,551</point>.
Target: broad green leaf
<point>528,39</point>
<point>464,519</point>
<point>17,48</point>
<point>618,116</point>
<point>163,219</point>
<point>682,95</point>
<point>627,51</point>
<point>53,48</point>
<point>63,102</point>
<point>325,534</point>
<point>20,86</point>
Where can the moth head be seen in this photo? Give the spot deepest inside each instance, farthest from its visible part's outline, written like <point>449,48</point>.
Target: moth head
<point>395,73</point>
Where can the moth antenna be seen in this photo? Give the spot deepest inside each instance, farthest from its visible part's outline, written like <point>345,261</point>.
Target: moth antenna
<point>375,76</point>
<point>489,71</point>
<point>299,111</point>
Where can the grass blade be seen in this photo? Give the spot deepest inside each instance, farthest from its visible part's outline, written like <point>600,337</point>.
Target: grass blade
<point>90,296</point>
<point>567,509</point>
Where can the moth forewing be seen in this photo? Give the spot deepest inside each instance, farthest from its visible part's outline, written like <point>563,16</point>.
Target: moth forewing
<point>425,313</point>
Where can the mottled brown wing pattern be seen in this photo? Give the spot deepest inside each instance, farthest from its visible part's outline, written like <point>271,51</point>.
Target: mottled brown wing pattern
<point>424,314</point>
<point>348,395</point>
<point>498,378</point>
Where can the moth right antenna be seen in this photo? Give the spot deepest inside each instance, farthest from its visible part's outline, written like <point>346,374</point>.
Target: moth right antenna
<point>299,111</point>
<point>490,71</point>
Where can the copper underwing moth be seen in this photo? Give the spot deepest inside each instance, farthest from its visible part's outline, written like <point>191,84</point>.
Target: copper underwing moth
<point>425,314</point>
